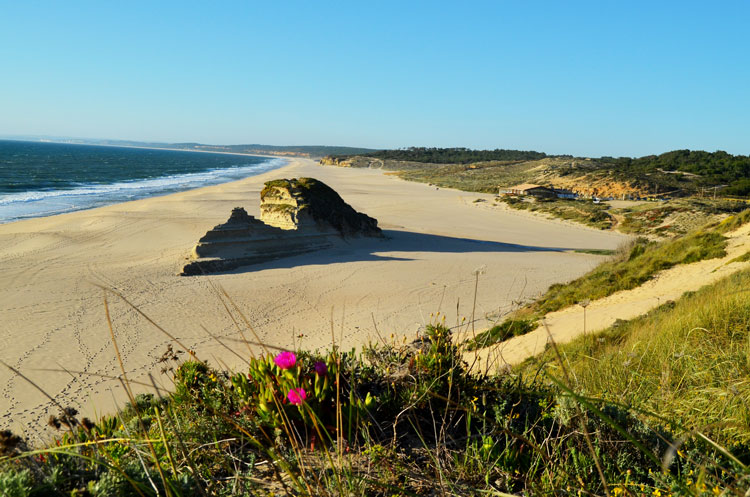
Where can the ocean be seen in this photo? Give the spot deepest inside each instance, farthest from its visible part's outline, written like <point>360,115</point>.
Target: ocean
<point>42,179</point>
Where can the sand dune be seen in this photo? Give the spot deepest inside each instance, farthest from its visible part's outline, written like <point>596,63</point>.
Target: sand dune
<point>566,324</point>
<point>53,314</point>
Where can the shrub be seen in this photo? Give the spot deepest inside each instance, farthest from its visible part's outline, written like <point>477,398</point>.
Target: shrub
<point>16,483</point>
<point>396,420</point>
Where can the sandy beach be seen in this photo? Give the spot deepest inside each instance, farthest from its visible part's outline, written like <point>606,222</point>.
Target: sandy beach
<point>54,330</point>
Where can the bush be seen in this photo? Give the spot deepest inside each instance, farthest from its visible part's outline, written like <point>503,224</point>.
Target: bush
<point>16,483</point>
<point>395,420</point>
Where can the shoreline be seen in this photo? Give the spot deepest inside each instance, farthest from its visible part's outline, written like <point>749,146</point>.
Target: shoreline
<point>157,194</point>
<point>54,313</point>
<point>127,202</point>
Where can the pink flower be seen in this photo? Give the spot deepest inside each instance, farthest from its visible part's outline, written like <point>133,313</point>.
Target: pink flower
<point>285,360</point>
<point>297,396</point>
<point>320,368</point>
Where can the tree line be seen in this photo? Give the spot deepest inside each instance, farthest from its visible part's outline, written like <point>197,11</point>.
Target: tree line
<point>456,155</point>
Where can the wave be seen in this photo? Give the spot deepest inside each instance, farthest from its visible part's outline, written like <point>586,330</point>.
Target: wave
<point>22,205</point>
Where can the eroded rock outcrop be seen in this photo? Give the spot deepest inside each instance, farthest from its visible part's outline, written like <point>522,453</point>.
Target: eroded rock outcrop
<point>305,202</point>
<point>297,216</point>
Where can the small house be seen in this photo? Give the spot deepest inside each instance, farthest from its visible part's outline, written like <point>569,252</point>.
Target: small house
<point>529,189</point>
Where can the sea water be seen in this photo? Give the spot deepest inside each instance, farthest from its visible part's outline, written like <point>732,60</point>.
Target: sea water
<point>43,179</point>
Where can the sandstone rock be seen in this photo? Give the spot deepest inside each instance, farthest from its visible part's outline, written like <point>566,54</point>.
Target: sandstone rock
<point>297,216</point>
<point>306,202</point>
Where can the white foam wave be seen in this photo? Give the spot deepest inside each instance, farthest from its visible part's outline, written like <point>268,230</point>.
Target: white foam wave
<point>15,206</point>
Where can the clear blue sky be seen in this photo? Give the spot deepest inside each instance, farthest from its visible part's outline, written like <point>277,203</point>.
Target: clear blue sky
<point>586,78</point>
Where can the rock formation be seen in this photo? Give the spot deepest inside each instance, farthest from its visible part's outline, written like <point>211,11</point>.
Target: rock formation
<point>306,202</point>
<point>297,216</point>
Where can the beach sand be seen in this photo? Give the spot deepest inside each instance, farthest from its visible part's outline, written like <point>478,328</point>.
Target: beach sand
<point>54,330</point>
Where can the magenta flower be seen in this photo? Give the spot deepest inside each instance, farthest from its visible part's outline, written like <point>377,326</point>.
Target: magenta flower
<point>297,396</point>
<point>320,368</point>
<point>285,360</point>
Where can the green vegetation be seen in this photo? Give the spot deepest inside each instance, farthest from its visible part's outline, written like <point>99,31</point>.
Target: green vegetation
<point>632,269</point>
<point>629,268</point>
<point>664,219</point>
<point>743,258</point>
<point>595,251</point>
<point>681,171</point>
<point>689,178</point>
<point>457,155</point>
<point>478,177</point>
<point>484,177</point>
<point>581,211</point>
<point>501,332</point>
<point>687,362</point>
<point>649,218</point>
<point>733,222</point>
<point>394,420</point>
<point>675,217</point>
<point>703,169</point>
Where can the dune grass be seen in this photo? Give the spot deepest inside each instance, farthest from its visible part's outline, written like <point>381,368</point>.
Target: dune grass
<point>742,258</point>
<point>595,251</point>
<point>733,222</point>
<point>581,211</point>
<point>630,267</point>
<point>501,332</point>
<point>479,177</point>
<point>687,361</point>
<point>675,216</point>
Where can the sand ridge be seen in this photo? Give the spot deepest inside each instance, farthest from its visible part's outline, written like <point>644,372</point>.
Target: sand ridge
<point>53,314</point>
<point>567,324</point>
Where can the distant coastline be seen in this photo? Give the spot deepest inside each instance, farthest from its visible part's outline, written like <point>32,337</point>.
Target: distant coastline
<point>304,151</point>
<point>144,147</point>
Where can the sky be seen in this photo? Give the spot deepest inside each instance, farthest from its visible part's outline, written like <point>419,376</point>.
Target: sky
<point>584,78</point>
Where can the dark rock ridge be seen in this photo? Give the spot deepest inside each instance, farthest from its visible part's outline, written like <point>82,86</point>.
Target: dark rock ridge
<point>297,216</point>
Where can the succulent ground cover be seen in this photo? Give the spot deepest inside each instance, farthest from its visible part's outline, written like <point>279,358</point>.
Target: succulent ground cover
<point>393,419</point>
